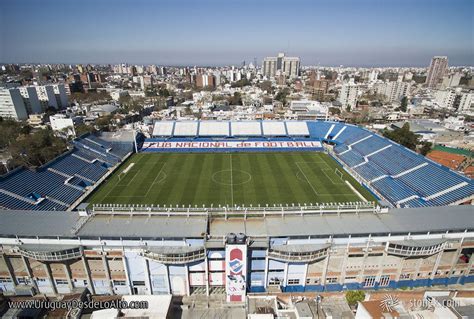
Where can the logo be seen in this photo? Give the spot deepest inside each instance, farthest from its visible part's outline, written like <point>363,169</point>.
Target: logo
<point>389,303</point>
<point>236,266</point>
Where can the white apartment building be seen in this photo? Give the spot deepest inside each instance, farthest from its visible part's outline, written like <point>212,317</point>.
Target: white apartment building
<point>31,100</point>
<point>46,96</point>
<point>288,66</point>
<point>466,105</point>
<point>12,105</point>
<point>451,80</point>
<point>436,71</point>
<point>393,91</point>
<point>60,95</point>
<point>348,95</point>
<point>445,98</point>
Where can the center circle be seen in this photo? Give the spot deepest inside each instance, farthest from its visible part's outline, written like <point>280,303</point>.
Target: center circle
<point>231,177</point>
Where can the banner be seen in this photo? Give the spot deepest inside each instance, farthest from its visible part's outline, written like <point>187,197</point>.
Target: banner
<point>236,272</point>
<point>230,145</point>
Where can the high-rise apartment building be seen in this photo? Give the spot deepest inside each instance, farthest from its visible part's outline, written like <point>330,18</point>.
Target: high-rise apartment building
<point>288,66</point>
<point>348,95</point>
<point>438,68</point>
<point>31,100</point>
<point>12,105</point>
<point>205,80</point>
<point>393,90</point>
<point>445,98</point>
<point>466,104</point>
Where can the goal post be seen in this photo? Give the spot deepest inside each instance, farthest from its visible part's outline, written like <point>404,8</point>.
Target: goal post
<point>338,173</point>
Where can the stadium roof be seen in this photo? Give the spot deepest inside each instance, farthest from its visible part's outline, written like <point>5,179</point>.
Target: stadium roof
<point>404,220</point>
<point>397,221</point>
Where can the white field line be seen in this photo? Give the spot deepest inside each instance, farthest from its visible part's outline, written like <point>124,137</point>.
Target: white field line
<point>329,177</point>
<point>151,185</point>
<point>307,180</point>
<point>356,191</point>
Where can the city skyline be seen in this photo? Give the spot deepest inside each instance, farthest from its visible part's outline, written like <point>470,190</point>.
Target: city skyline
<point>401,33</point>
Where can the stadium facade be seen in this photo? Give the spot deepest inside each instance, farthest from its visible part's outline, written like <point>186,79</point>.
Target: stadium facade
<point>414,237</point>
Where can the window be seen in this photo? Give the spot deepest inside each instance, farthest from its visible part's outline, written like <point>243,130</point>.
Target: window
<point>356,255</point>
<point>293,282</point>
<point>369,281</point>
<point>61,282</point>
<point>384,280</point>
<point>119,283</point>
<point>331,280</point>
<point>139,283</point>
<point>274,281</point>
<point>375,254</point>
<point>405,276</point>
<point>23,281</point>
<point>5,280</point>
<point>314,281</point>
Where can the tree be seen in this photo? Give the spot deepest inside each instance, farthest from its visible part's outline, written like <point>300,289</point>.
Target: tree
<point>282,94</point>
<point>354,296</point>
<point>236,99</point>
<point>334,110</point>
<point>404,104</point>
<point>403,136</point>
<point>37,148</point>
<point>266,86</point>
<point>425,148</point>
<point>83,129</point>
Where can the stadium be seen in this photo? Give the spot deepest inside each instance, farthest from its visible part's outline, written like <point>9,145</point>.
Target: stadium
<point>235,207</point>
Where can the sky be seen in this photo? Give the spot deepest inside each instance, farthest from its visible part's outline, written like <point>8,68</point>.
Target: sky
<point>228,32</point>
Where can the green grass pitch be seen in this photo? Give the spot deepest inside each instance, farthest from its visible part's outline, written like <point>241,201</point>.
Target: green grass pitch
<point>241,179</point>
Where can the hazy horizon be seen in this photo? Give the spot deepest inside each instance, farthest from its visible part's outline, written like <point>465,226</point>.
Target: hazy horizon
<point>367,33</point>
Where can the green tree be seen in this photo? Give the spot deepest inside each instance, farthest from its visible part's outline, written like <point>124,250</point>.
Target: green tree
<point>425,148</point>
<point>83,129</point>
<point>404,104</point>
<point>354,296</point>
<point>281,95</point>
<point>37,148</point>
<point>334,110</point>
<point>236,99</point>
<point>403,136</point>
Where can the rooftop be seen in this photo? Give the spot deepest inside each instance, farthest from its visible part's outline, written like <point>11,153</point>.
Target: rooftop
<point>397,221</point>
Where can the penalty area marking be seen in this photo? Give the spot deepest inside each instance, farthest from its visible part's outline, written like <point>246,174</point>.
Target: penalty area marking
<point>155,181</point>
<point>307,180</point>
<point>329,177</point>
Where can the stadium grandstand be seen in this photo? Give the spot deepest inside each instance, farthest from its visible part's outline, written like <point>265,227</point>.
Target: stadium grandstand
<point>256,206</point>
<point>59,184</point>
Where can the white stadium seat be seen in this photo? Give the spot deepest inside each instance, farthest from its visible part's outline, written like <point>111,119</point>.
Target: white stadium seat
<point>188,128</point>
<point>163,128</point>
<point>246,128</point>
<point>297,128</point>
<point>214,128</point>
<point>274,128</point>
